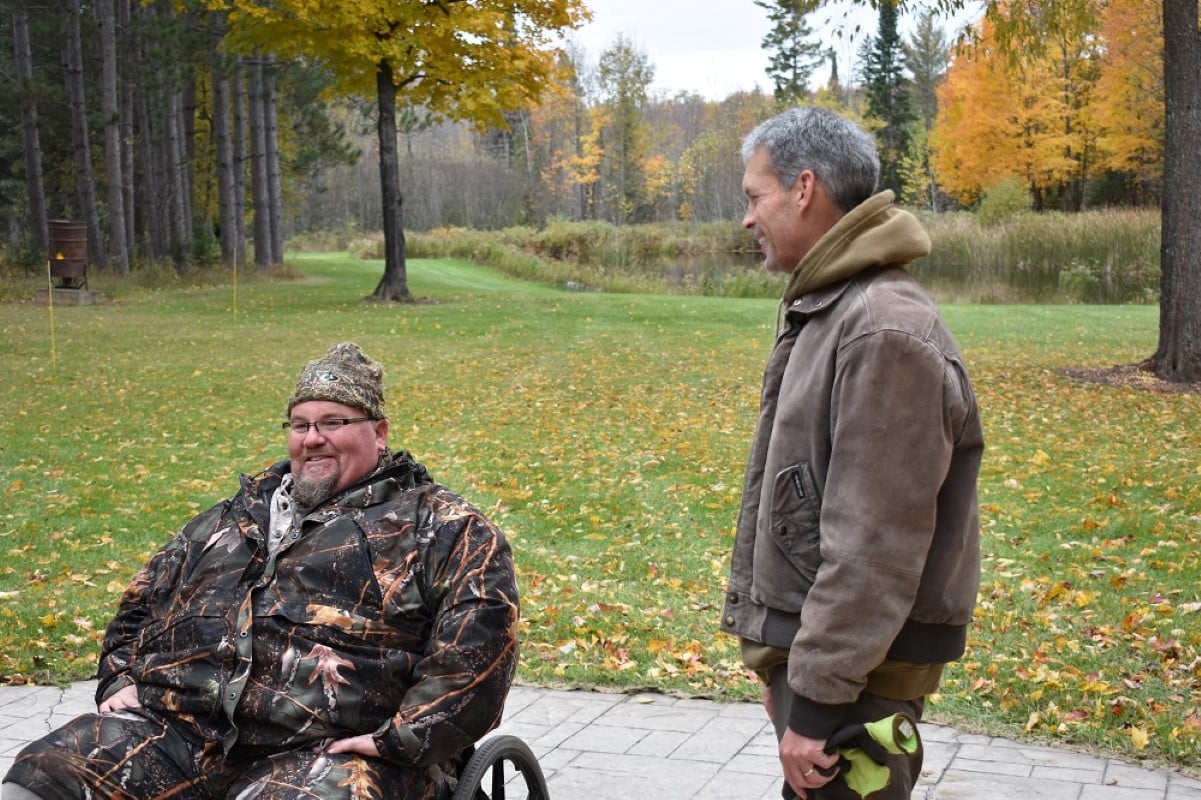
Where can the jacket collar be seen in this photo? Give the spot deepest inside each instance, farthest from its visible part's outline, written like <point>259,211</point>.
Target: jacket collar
<point>399,474</point>
<point>819,299</point>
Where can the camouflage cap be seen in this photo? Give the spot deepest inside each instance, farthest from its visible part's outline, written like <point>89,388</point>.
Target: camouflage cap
<point>343,375</point>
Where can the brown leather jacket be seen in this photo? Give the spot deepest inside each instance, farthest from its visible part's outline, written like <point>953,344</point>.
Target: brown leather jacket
<point>858,537</point>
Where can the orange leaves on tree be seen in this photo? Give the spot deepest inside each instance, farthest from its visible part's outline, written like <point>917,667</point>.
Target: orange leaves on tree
<point>1050,98</point>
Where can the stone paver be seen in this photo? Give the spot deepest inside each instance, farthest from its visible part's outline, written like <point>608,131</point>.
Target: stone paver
<point>614,746</point>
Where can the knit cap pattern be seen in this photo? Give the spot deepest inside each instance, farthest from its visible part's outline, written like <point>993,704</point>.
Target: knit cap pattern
<point>344,375</point>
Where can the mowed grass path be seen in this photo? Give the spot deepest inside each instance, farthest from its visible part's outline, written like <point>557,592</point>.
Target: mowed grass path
<point>606,434</point>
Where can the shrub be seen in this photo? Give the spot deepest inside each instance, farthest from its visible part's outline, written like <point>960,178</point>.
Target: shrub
<point>332,241</point>
<point>1003,202</point>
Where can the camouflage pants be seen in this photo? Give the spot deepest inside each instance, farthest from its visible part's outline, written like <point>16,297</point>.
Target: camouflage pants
<point>136,755</point>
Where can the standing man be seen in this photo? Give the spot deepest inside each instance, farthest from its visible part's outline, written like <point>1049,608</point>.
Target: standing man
<point>342,627</point>
<point>856,558</point>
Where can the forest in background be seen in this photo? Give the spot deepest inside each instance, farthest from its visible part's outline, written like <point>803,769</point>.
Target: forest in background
<point>150,94</point>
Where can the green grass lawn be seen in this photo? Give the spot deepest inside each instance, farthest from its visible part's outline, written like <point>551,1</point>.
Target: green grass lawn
<point>606,434</point>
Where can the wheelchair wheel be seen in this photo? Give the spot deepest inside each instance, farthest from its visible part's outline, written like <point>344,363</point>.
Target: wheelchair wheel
<point>488,764</point>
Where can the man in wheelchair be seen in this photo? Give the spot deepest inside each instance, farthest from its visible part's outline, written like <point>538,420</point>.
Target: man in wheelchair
<point>342,627</point>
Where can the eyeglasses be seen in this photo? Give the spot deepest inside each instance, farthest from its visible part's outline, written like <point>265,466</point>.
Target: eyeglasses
<point>325,427</point>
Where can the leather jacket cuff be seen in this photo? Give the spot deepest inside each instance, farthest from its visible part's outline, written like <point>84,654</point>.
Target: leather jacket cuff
<point>815,720</point>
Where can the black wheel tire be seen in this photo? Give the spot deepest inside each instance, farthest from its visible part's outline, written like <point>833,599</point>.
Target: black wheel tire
<point>494,753</point>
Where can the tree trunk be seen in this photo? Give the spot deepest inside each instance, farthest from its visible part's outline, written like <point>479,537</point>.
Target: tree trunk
<point>225,159</point>
<point>118,250</point>
<point>394,285</point>
<point>124,19</point>
<point>34,187</point>
<point>581,188</point>
<point>174,156</point>
<point>238,97</point>
<point>152,195</point>
<point>1178,357</point>
<point>85,185</point>
<point>185,110</point>
<point>275,198</point>
<point>258,165</point>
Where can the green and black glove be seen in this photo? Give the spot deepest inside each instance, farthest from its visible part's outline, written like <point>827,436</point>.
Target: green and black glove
<point>863,750</point>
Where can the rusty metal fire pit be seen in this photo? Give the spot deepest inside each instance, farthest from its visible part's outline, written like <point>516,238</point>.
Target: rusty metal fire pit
<point>68,254</point>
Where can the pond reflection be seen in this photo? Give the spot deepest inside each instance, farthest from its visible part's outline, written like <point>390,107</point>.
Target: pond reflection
<point>693,269</point>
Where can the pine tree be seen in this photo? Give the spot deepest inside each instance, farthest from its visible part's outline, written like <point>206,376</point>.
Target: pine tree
<point>888,96</point>
<point>926,56</point>
<point>793,56</point>
<point>624,75</point>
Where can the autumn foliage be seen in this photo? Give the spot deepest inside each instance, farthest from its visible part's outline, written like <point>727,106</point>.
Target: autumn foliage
<point>1055,116</point>
<point>465,60</point>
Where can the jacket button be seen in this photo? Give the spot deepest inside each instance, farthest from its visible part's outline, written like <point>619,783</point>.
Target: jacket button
<point>730,621</point>
<point>732,597</point>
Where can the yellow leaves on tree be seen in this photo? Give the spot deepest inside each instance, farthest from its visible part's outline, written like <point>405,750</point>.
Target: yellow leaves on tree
<point>1130,100</point>
<point>1004,115</point>
<point>974,138</point>
<point>463,60</point>
<point>585,166</point>
<point>660,178</point>
<point>1088,97</point>
<point>561,140</point>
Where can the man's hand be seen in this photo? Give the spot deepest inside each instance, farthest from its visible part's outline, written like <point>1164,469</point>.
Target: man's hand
<point>363,745</point>
<point>123,698</point>
<point>802,758</point>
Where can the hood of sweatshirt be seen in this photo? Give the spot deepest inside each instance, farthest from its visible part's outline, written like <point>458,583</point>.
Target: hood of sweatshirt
<point>874,233</point>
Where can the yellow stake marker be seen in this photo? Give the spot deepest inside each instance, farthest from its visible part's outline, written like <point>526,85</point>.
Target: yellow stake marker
<point>235,282</point>
<point>50,295</point>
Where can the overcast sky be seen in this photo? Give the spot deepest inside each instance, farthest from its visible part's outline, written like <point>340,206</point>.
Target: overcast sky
<point>714,47</point>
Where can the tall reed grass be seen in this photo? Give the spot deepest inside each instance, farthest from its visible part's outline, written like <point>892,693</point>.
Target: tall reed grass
<point>1109,256</point>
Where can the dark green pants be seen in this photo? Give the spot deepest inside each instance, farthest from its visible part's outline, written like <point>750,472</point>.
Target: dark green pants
<point>138,755</point>
<point>905,769</point>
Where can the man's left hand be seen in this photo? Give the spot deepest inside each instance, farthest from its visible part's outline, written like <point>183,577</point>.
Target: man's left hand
<point>363,745</point>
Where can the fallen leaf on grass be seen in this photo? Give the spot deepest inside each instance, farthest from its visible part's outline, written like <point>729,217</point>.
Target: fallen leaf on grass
<point>1139,737</point>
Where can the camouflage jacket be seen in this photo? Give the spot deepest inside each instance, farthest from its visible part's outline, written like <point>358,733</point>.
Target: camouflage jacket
<point>390,609</point>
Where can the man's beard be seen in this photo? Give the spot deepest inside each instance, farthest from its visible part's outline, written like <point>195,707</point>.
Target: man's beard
<point>311,492</point>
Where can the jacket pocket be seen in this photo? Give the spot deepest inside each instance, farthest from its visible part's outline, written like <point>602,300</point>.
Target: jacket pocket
<point>795,520</point>
<point>180,663</point>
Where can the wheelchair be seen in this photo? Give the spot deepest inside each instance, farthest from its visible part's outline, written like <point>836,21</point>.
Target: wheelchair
<point>486,769</point>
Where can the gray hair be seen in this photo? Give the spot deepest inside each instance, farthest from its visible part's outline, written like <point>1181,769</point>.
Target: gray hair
<point>838,152</point>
